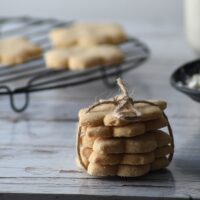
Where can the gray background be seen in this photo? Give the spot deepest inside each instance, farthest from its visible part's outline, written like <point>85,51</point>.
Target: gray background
<point>135,11</point>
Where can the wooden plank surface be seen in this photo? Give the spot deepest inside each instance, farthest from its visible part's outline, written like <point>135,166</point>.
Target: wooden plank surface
<point>37,147</point>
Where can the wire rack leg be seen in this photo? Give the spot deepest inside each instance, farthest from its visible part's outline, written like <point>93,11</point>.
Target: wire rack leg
<point>12,99</point>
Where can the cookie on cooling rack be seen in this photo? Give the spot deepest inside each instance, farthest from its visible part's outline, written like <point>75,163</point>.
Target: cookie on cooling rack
<point>17,50</point>
<point>88,34</point>
<point>79,58</point>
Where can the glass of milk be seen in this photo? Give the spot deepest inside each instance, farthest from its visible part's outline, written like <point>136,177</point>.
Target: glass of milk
<point>192,23</point>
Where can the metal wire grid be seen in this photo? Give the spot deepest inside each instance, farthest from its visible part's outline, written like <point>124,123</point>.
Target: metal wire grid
<point>33,76</point>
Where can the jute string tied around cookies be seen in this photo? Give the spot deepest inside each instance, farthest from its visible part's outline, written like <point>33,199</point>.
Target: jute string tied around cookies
<point>124,110</point>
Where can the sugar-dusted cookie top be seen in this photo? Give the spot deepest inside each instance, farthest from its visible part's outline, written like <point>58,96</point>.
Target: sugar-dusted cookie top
<point>17,50</point>
<point>78,58</point>
<point>88,34</point>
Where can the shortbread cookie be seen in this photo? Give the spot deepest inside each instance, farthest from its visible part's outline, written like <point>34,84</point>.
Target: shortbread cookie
<point>130,159</point>
<point>87,141</point>
<point>17,50</point>
<point>156,124</point>
<point>160,163</point>
<point>140,144</point>
<point>162,138</point>
<point>115,159</point>
<point>148,112</point>
<point>133,171</point>
<point>59,58</point>
<point>129,130</point>
<point>162,104</point>
<point>163,151</point>
<point>95,116</point>
<point>88,34</point>
<point>111,120</point>
<point>158,103</point>
<point>79,58</point>
<point>99,131</point>
<point>105,55</point>
<point>117,170</point>
<point>100,170</point>
<point>85,154</point>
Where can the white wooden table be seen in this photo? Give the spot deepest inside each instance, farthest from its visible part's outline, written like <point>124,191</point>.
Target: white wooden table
<point>37,147</point>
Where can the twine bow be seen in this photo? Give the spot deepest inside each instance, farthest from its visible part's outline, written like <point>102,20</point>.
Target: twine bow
<point>124,110</point>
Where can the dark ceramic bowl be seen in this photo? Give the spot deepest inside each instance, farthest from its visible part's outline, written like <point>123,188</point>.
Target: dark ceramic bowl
<point>179,77</point>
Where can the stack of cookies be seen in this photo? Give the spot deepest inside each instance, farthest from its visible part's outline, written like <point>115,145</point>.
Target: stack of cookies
<point>84,45</point>
<point>120,137</point>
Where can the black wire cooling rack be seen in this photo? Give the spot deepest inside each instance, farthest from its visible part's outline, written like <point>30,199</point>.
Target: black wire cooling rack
<point>33,76</point>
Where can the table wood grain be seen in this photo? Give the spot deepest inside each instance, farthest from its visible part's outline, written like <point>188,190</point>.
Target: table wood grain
<point>37,147</point>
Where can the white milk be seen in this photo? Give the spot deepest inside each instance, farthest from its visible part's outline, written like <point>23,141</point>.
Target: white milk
<point>192,23</point>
